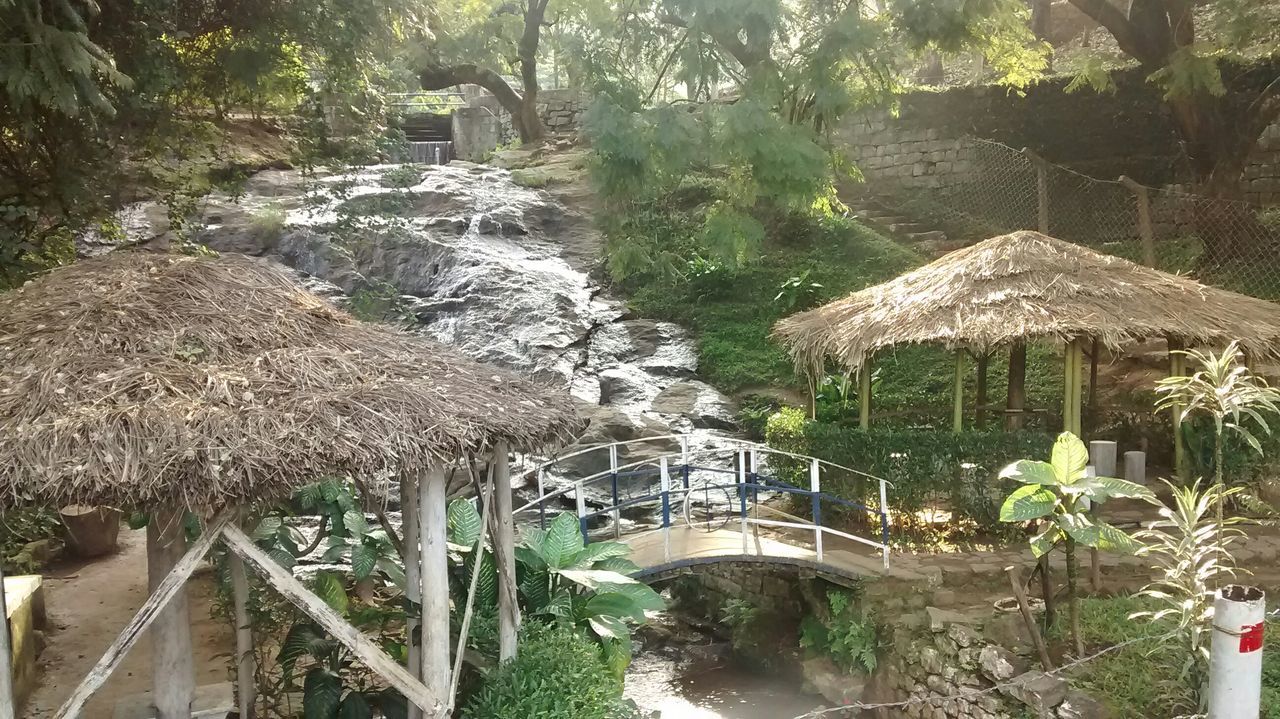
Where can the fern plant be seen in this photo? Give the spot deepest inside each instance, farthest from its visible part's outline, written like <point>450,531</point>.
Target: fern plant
<point>1191,551</point>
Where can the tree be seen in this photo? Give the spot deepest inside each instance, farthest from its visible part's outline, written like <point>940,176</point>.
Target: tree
<point>1058,492</point>
<point>466,46</point>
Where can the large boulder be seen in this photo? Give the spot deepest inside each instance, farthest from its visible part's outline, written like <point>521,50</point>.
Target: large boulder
<point>698,401</point>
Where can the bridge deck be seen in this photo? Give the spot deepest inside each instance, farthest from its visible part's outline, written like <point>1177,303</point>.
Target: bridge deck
<point>690,547</point>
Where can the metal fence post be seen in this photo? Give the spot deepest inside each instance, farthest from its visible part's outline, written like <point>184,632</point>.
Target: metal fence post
<point>1042,190</point>
<point>742,497</point>
<point>613,474</point>
<point>542,502</point>
<point>582,512</point>
<point>815,486</point>
<point>884,522</point>
<point>1145,230</point>
<point>665,479</point>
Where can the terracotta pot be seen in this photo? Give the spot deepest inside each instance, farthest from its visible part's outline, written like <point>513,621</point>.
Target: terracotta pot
<point>91,531</point>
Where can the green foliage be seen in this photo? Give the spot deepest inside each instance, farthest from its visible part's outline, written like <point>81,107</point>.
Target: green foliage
<point>743,619</point>
<point>18,527</point>
<point>267,225</point>
<point>930,470</point>
<point>401,178</point>
<point>845,633</point>
<point>1192,553</point>
<point>558,674</point>
<point>797,292</point>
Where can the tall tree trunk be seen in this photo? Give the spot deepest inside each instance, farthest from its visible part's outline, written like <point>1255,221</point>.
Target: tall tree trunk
<point>439,77</point>
<point>1041,18</point>
<point>529,41</point>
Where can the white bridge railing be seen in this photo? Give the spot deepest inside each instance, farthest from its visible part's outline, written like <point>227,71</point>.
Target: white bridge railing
<point>728,475</point>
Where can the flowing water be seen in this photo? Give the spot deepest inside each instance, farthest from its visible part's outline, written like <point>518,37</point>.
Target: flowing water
<point>461,253</point>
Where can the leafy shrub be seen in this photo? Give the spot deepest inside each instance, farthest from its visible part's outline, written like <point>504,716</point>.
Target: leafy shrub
<point>927,467</point>
<point>558,674</point>
<point>267,225</point>
<point>847,635</point>
<point>743,619</point>
<point>401,178</point>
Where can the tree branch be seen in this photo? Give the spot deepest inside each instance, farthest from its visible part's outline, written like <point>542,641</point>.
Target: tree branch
<point>1127,34</point>
<point>439,77</point>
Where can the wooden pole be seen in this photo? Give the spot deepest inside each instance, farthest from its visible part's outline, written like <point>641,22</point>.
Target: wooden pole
<point>8,707</point>
<point>1077,393</point>
<point>980,413</point>
<point>1177,368</point>
<point>173,672</point>
<point>864,395</point>
<point>1042,190</point>
<point>957,409</point>
<point>1093,385</point>
<point>365,649</point>
<point>246,664</point>
<point>1020,593</point>
<point>1017,397</point>
<point>412,575</point>
<point>169,588</point>
<point>434,564</point>
<point>1145,231</point>
<point>1071,388</point>
<point>504,545</point>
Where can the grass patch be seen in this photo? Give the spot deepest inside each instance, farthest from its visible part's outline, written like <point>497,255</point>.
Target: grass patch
<point>1132,680</point>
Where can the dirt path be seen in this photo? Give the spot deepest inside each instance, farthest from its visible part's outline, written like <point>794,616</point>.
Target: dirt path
<point>88,605</point>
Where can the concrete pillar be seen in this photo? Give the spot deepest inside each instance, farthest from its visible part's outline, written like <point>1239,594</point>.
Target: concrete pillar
<point>1102,455</point>
<point>1135,467</point>
<point>1235,660</point>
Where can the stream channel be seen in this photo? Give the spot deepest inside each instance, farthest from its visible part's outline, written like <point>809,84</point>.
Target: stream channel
<point>504,273</point>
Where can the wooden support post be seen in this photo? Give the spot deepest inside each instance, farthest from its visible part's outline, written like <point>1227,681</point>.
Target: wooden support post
<point>1042,190</point>
<point>1145,231</point>
<point>173,672</point>
<point>1077,395</point>
<point>168,589</point>
<point>1178,368</point>
<point>434,563</point>
<point>1071,387</point>
<point>1017,397</point>
<point>365,649</point>
<point>1093,386</point>
<point>412,576</point>
<point>957,387</point>
<point>504,546</point>
<point>864,395</point>
<point>1020,593</point>
<point>8,707</point>
<point>980,400</point>
<point>246,661</point>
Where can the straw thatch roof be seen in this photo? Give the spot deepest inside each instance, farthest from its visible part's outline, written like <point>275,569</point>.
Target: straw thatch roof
<point>145,379</point>
<point>1026,285</point>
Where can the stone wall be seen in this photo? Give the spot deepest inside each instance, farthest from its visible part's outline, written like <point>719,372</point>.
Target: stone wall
<point>1129,132</point>
<point>561,109</point>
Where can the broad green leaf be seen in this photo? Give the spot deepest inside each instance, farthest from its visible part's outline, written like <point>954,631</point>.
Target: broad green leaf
<point>1100,489</point>
<point>321,692</point>
<point>613,604</point>
<point>281,556</point>
<point>1080,528</point>
<point>1029,502</point>
<point>393,704</point>
<point>354,522</point>
<point>394,572</point>
<point>594,578</point>
<point>641,594</point>
<point>1030,471</point>
<point>302,640</point>
<point>621,565</point>
<point>363,560</point>
<point>1043,543</point>
<point>1069,459</point>
<point>563,542</point>
<point>354,706</point>
<point>617,654</point>
<point>267,528</point>
<point>607,627</point>
<point>1113,539</point>
<point>560,605</point>
<point>328,586</point>
<point>463,522</point>
<point>600,551</point>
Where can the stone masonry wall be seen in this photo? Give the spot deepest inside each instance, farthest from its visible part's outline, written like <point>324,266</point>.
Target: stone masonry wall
<point>561,109</point>
<point>1128,132</point>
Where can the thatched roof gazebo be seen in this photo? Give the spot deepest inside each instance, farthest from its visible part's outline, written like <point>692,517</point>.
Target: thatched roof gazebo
<point>171,383</point>
<point>1023,286</point>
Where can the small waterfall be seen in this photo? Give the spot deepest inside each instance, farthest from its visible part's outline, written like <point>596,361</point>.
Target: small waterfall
<point>431,153</point>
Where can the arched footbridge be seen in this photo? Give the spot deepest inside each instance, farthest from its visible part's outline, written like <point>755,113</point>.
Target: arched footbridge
<point>685,500</point>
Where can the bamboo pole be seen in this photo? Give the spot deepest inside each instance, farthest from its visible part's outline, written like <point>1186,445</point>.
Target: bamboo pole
<point>957,409</point>
<point>864,395</point>
<point>173,672</point>
<point>412,576</point>
<point>504,544</point>
<point>1177,368</point>
<point>980,400</point>
<point>434,583</point>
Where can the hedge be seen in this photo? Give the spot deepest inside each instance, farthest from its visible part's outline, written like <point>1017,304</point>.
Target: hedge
<point>928,468</point>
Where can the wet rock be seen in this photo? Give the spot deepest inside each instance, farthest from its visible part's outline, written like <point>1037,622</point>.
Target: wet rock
<point>823,677</point>
<point>999,664</point>
<point>1009,631</point>
<point>1039,691</point>
<point>698,401</point>
<point>962,635</point>
<point>940,619</point>
<point>1079,705</point>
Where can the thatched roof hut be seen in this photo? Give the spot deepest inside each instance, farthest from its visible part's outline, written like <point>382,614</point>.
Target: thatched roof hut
<point>1021,286</point>
<point>162,380</point>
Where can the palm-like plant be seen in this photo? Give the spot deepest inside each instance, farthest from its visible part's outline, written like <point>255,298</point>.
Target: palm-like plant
<point>1056,492</point>
<point>1225,390</point>
<point>1191,552</point>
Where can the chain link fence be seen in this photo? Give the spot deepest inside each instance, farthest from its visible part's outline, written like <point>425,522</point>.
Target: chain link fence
<point>1229,244</point>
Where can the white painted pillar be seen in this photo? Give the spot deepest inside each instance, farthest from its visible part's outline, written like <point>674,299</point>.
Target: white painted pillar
<point>412,575</point>
<point>613,486</point>
<point>1235,662</point>
<point>8,708</point>
<point>1135,467</point>
<point>173,673</point>
<point>815,485</point>
<point>246,662</point>
<point>434,583</point>
<point>504,554</point>
<point>665,484</point>
<point>884,522</point>
<point>742,499</point>
<point>1102,455</point>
